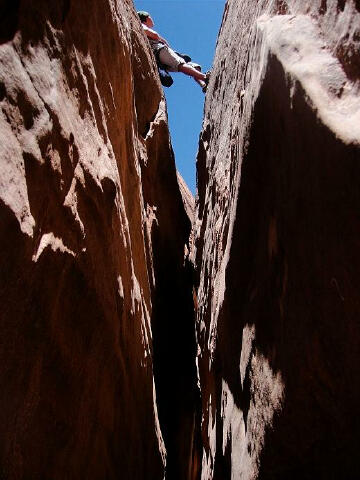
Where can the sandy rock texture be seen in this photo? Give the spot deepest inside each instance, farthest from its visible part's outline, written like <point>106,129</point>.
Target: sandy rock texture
<point>93,233</point>
<point>277,243</point>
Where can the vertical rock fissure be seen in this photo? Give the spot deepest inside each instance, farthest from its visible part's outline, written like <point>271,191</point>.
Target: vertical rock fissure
<point>174,346</point>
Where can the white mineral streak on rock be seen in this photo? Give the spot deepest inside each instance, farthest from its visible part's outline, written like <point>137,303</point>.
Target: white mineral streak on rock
<point>159,436</point>
<point>13,190</point>
<point>233,432</point>
<point>71,197</point>
<point>120,287</point>
<point>267,391</point>
<point>160,116</point>
<point>208,458</point>
<point>135,294</point>
<point>15,141</point>
<point>248,338</point>
<point>150,221</point>
<point>267,396</point>
<point>337,26</point>
<point>146,329</point>
<point>298,44</point>
<point>138,305</point>
<point>56,244</point>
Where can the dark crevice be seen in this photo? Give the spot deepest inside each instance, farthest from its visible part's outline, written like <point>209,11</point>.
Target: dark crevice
<point>202,174</point>
<point>173,332</point>
<point>281,7</point>
<point>323,7</point>
<point>27,109</point>
<point>8,19</point>
<point>349,57</point>
<point>222,467</point>
<point>2,91</point>
<point>66,9</point>
<point>341,5</point>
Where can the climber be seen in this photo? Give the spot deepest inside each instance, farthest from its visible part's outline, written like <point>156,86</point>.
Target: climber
<point>167,57</point>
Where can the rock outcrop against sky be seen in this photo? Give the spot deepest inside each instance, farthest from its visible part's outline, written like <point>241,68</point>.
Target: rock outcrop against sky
<point>91,219</point>
<point>277,232</point>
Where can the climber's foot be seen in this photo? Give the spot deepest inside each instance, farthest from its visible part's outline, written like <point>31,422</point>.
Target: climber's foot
<point>202,85</point>
<point>206,80</point>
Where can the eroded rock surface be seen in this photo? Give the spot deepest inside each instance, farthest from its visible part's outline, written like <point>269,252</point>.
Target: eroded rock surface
<point>90,211</point>
<point>277,233</point>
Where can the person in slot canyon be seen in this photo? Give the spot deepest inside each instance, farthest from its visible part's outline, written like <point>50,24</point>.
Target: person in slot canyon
<point>167,57</point>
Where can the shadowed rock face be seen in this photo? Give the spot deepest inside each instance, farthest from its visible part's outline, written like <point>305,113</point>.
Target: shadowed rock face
<point>92,240</point>
<point>276,238</point>
<point>174,345</point>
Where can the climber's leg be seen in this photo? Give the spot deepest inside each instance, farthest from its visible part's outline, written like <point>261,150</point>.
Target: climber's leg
<point>202,83</point>
<point>172,60</point>
<point>175,63</point>
<point>191,71</point>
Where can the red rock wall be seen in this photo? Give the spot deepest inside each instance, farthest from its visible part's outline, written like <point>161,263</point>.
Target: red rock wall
<point>277,235</point>
<point>88,193</point>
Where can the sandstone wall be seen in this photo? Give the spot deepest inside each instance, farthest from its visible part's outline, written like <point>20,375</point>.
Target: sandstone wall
<point>277,233</point>
<point>90,211</point>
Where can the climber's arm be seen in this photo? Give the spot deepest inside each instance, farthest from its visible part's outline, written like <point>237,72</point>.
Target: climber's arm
<point>153,35</point>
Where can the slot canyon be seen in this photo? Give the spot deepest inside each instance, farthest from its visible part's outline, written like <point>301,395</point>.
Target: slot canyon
<point>150,335</point>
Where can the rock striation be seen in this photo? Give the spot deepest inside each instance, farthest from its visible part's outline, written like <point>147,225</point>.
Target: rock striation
<point>276,236</point>
<point>92,239</point>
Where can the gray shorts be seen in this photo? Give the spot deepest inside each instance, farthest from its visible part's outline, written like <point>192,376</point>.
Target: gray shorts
<point>170,59</point>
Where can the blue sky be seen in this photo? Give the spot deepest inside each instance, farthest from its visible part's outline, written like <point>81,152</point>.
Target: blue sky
<point>191,27</point>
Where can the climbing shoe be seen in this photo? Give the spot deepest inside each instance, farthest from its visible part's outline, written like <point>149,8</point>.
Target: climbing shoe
<point>207,78</point>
